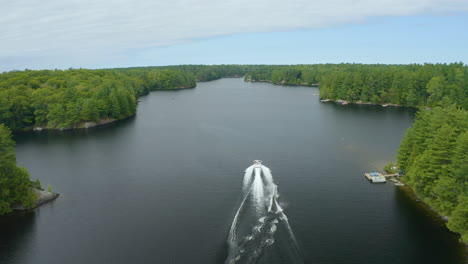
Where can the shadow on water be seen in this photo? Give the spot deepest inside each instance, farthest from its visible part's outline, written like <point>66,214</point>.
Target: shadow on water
<point>428,230</point>
<point>56,135</point>
<point>15,235</point>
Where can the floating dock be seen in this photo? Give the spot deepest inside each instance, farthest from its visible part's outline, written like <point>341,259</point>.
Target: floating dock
<point>382,178</point>
<point>375,177</point>
<point>367,175</point>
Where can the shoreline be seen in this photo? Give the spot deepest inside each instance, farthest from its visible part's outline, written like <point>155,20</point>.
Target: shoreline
<point>411,194</point>
<point>92,124</point>
<point>285,83</point>
<point>432,213</point>
<point>344,102</point>
<point>83,125</point>
<point>42,197</point>
<point>340,101</point>
<point>225,77</point>
<point>172,89</point>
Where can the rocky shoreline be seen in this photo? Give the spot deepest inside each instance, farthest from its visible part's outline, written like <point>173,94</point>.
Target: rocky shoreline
<point>42,198</point>
<point>84,125</point>
<point>283,82</point>
<point>340,101</point>
<point>344,102</point>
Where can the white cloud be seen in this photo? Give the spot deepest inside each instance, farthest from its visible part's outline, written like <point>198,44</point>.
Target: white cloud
<point>75,28</point>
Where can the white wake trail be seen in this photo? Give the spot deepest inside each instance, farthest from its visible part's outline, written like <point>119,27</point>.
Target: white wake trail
<point>260,232</point>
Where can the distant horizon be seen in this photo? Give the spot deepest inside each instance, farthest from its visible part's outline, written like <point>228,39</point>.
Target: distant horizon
<point>174,65</point>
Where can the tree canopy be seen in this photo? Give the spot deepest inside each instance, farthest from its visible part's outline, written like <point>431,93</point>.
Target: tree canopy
<point>409,85</point>
<point>65,99</point>
<point>434,154</point>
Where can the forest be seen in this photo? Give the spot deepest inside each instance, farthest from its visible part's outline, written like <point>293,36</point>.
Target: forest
<point>412,85</point>
<point>434,155</point>
<point>66,99</point>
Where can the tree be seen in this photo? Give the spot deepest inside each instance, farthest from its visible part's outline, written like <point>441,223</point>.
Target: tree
<point>435,87</point>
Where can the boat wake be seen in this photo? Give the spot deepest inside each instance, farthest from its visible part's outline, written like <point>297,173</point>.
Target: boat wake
<point>260,231</point>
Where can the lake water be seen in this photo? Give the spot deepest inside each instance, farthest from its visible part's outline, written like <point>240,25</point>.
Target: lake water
<point>163,187</point>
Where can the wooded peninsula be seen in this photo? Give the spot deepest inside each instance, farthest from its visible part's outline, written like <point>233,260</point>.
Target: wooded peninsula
<point>434,151</point>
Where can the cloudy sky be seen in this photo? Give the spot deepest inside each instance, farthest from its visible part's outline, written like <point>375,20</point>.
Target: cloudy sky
<point>121,33</point>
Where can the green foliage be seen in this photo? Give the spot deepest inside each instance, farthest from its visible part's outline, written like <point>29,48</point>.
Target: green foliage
<point>434,153</point>
<point>203,73</point>
<point>409,85</point>
<point>67,99</point>
<point>36,184</point>
<point>49,188</point>
<point>14,181</point>
<point>459,220</point>
<point>388,168</point>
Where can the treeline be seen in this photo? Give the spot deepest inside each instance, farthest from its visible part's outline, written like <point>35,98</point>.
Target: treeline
<point>14,181</point>
<point>66,99</point>
<point>204,73</point>
<point>434,154</point>
<point>408,85</point>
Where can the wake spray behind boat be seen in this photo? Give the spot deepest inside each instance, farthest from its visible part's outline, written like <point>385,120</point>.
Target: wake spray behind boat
<point>260,231</point>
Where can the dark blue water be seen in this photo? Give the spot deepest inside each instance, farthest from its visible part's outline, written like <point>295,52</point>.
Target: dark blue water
<point>163,187</point>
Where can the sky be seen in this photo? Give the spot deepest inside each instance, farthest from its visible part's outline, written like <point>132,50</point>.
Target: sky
<point>127,33</point>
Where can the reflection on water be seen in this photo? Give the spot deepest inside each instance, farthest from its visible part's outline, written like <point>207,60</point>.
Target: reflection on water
<point>426,223</point>
<point>16,234</point>
<point>64,136</point>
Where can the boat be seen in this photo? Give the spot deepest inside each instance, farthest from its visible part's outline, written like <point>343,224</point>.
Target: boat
<point>344,103</point>
<point>325,100</point>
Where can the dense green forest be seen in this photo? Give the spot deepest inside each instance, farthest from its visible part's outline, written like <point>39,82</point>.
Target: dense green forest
<point>434,154</point>
<point>66,99</point>
<point>408,85</point>
<point>14,181</point>
<point>203,73</point>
